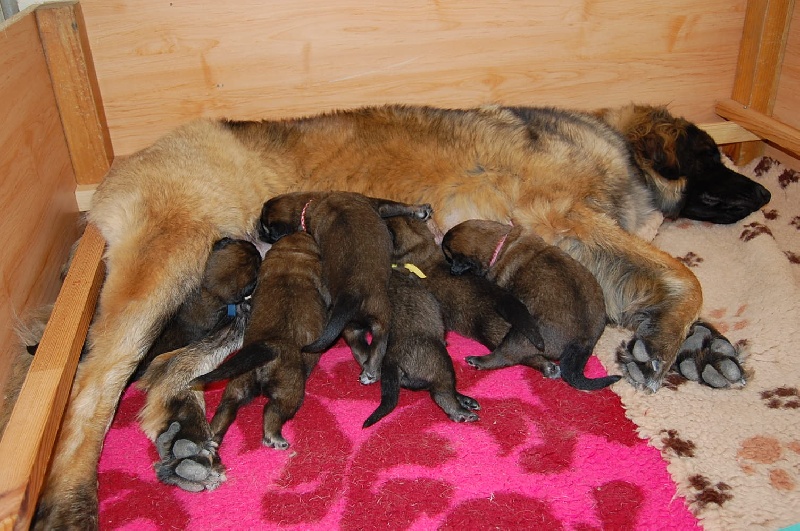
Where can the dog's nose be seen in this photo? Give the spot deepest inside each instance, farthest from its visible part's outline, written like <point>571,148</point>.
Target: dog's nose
<point>763,195</point>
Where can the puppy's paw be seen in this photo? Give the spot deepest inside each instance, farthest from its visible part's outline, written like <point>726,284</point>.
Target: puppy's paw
<point>468,402</point>
<point>464,416</point>
<point>367,378</point>
<point>275,441</point>
<point>706,356</point>
<point>639,368</point>
<point>551,370</point>
<point>192,466</point>
<point>424,212</point>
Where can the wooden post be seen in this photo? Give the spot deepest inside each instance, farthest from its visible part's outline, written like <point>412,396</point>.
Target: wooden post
<point>69,59</point>
<point>766,29</point>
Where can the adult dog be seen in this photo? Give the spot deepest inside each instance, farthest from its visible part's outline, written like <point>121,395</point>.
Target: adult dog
<point>584,182</point>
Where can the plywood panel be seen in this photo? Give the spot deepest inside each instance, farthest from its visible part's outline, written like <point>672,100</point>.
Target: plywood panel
<point>162,62</point>
<point>37,188</point>
<point>787,102</point>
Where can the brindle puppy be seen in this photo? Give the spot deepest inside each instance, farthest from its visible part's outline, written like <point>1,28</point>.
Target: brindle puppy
<point>356,250</point>
<point>289,308</point>
<point>563,293</point>
<point>416,354</point>
<point>471,305</point>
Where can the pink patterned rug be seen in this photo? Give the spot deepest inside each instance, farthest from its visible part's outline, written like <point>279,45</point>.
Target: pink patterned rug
<point>542,456</point>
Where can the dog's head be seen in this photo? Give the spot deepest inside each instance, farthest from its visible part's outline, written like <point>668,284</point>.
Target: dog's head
<point>412,240</point>
<point>282,215</point>
<point>685,171</point>
<point>468,247</point>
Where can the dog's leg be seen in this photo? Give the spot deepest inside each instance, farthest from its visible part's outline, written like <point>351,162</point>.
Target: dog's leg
<point>285,398</point>
<point>708,357</point>
<point>132,307</point>
<point>388,209</point>
<point>238,392</point>
<point>174,413</point>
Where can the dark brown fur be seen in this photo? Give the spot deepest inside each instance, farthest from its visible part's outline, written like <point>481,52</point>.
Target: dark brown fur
<point>416,355</point>
<point>562,293</point>
<point>356,250</point>
<point>289,308</point>
<point>471,305</point>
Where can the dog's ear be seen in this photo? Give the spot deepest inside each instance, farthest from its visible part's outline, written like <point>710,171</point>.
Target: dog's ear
<point>659,147</point>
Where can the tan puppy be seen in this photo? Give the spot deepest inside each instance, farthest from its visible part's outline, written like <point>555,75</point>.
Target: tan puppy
<point>356,250</point>
<point>289,308</point>
<point>562,293</point>
<point>584,182</point>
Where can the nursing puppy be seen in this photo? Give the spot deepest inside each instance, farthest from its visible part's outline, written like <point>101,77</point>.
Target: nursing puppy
<point>585,182</point>
<point>563,294</point>
<point>356,250</point>
<point>289,308</point>
<point>470,305</point>
<point>416,355</point>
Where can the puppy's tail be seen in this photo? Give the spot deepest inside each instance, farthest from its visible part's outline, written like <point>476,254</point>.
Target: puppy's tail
<point>344,310</point>
<point>250,357</point>
<point>516,313</point>
<point>573,362</point>
<point>390,393</point>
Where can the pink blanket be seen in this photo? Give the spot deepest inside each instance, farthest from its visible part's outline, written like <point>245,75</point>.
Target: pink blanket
<point>542,456</point>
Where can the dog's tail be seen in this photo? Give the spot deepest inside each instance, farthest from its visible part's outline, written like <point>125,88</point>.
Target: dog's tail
<point>516,313</point>
<point>390,393</point>
<point>345,308</point>
<point>573,362</point>
<point>250,357</point>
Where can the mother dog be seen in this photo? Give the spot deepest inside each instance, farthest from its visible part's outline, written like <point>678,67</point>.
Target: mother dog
<point>584,182</point>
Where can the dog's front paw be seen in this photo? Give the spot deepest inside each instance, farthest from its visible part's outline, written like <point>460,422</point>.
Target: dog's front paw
<point>639,368</point>
<point>706,356</point>
<point>467,402</point>
<point>367,377</point>
<point>275,440</point>
<point>192,466</point>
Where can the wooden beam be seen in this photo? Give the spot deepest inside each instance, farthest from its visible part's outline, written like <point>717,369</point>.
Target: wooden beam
<point>69,59</point>
<point>762,125</point>
<point>722,133</point>
<point>766,29</point>
<point>31,431</point>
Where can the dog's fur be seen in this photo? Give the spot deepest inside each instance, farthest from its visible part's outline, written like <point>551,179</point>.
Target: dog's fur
<point>583,182</point>
<point>289,309</point>
<point>470,305</point>
<point>565,296</point>
<point>416,354</point>
<point>356,250</point>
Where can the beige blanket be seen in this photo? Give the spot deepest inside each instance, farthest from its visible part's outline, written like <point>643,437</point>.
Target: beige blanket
<point>735,454</point>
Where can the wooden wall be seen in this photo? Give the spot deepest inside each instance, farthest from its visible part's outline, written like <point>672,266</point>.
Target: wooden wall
<point>161,62</point>
<point>787,101</point>
<point>37,183</point>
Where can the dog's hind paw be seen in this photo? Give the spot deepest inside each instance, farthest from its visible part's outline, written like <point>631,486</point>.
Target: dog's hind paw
<point>467,402</point>
<point>424,212</point>
<point>186,464</point>
<point>638,367</point>
<point>275,441</point>
<point>706,356</point>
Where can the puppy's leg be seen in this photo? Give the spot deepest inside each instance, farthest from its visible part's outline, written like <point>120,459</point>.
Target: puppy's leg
<point>515,349</point>
<point>442,377</point>
<point>286,393</point>
<point>140,291</point>
<point>388,209</point>
<point>174,414</point>
<point>239,391</point>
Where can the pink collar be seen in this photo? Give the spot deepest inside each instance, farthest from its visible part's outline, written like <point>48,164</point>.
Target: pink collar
<point>497,250</point>
<point>303,216</point>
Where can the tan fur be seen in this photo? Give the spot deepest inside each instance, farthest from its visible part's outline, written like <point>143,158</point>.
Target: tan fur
<point>161,209</point>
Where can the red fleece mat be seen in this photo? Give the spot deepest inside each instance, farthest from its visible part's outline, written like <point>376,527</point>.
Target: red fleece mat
<point>542,456</point>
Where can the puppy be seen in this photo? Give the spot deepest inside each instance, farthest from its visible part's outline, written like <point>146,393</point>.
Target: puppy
<point>416,354</point>
<point>228,279</point>
<point>356,250</point>
<point>471,305</point>
<point>289,308</point>
<point>563,294</point>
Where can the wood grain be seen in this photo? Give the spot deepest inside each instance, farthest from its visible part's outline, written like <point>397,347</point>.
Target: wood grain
<point>161,63</point>
<point>787,100</point>
<point>69,59</point>
<point>766,127</point>
<point>31,430</point>
<point>37,189</point>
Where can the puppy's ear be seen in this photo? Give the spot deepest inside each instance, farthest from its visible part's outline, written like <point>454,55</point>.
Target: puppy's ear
<point>460,265</point>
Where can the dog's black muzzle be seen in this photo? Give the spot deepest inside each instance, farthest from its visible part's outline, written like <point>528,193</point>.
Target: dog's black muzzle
<point>722,196</point>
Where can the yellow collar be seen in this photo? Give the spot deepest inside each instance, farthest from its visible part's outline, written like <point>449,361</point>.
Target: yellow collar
<point>411,267</point>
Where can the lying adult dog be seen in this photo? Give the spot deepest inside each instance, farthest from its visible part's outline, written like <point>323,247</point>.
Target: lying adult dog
<point>584,182</point>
